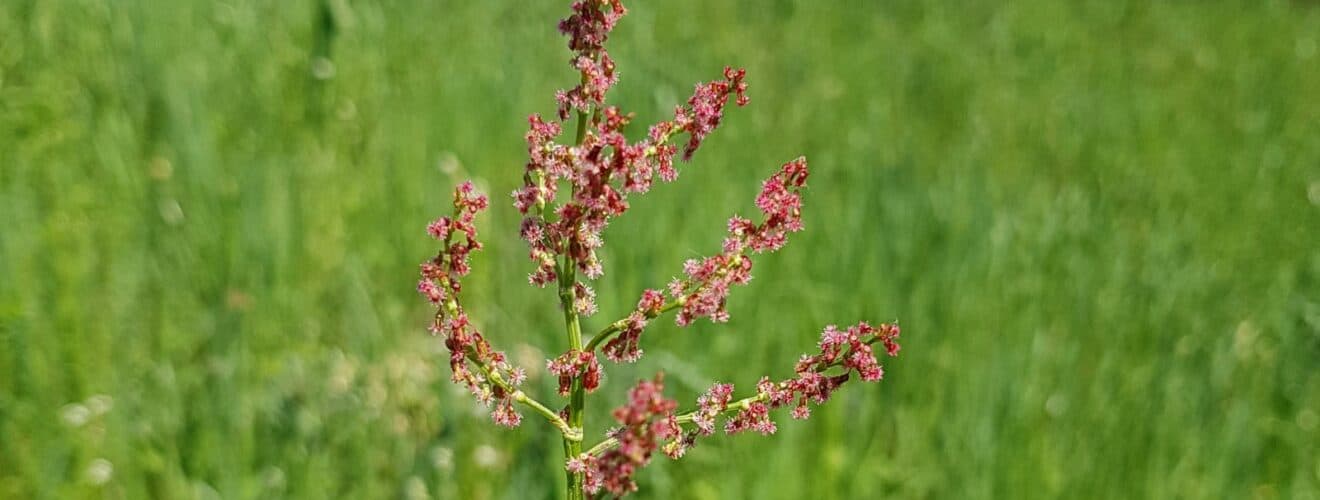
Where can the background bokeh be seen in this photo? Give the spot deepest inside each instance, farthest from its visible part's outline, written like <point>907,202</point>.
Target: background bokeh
<point>1097,222</point>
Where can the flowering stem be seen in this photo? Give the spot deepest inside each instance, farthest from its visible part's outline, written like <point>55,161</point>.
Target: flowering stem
<point>736,406</point>
<point>619,325</point>
<point>739,405</point>
<point>570,433</point>
<point>577,395</point>
<point>684,418</point>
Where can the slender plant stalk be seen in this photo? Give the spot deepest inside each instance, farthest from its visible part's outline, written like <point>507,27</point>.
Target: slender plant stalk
<point>577,395</point>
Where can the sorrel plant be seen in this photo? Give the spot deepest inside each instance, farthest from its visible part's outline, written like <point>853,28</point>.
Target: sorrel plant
<point>600,169</point>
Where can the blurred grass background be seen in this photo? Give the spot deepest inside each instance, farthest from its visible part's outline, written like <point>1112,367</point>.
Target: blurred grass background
<point>1096,221</point>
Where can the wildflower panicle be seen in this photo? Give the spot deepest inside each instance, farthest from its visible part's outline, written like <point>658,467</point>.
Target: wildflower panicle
<point>573,188</point>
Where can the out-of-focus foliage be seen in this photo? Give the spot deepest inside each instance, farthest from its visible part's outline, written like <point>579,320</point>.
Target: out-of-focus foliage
<point>1098,223</point>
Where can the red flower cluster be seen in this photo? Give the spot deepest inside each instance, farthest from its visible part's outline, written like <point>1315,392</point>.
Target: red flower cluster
<point>587,29</point>
<point>626,346</point>
<point>584,299</point>
<point>440,284</point>
<point>602,171</point>
<point>707,105</point>
<point>706,288</point>
<point>597,78</point>
<point>604,167</point>
<point>849,348</point>
<point>574,364</point>
<point>852,349</point>
<point>710,405</point>
<point>645,421</point>
<point>591,23</point>
<point>440,274</point>
<point>755,417</point>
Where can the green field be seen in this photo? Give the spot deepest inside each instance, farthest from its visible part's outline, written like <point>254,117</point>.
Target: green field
<point>1098,223</point>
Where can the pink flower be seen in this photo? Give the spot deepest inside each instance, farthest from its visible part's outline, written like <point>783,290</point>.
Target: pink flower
<point>710,405</point>
<point>709,280</point>
<point>590,24</point>
<point>429,290</point>
<point>850,349</point>
<point>888,335</point>
<point>439,229</point>
<point>431,270</point>
<point>584,299</point>
<point>572,365</point>
<point>706,107</point>
<point>597,79</point>
<point>651,302</point>
<point>677,288</point>
<point>505,415</point>
<point>441,282</point>
<point>645,421</point>
<point>801,412</point>
<point>756,418</point>
<point>586,464</point>
<point>625,347</point>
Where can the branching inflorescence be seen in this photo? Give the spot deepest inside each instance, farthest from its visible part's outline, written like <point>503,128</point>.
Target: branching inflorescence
<point>600,169</point>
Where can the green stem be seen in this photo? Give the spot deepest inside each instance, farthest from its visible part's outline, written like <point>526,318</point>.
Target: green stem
<point>577,395</point>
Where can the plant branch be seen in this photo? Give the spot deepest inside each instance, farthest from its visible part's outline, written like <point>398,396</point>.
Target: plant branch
<point>618,326</point>
<point>684,418</point>
<point>518,395</point>
<point>739,405</point>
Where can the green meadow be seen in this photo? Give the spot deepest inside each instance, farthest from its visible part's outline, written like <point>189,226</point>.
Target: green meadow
<point>1098,223</point>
